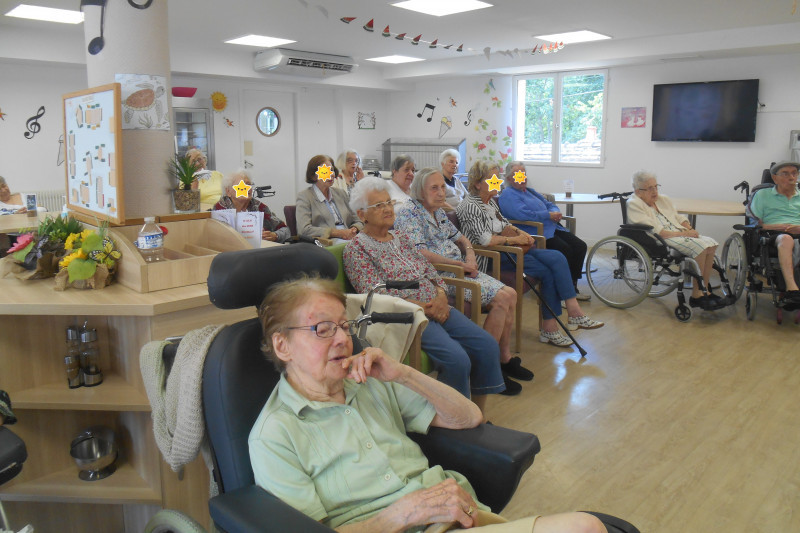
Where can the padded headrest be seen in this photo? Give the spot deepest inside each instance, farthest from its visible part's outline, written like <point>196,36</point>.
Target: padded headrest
<point>242,278</point>
<point>766,176</point>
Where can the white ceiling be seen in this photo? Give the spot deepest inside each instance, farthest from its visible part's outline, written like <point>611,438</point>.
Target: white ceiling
<point>643,31</point>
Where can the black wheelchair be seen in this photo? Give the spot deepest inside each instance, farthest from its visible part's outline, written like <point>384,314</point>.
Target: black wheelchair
<point>750,259</point>
<point>636,263</point>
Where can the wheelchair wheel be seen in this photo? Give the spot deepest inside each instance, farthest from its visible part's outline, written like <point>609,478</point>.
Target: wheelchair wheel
<point>169,521</point>
<point>683,313</point>
<point>619,272</point>
<point>734,262</point>
<point>663,282</point>
<point>750,304</point>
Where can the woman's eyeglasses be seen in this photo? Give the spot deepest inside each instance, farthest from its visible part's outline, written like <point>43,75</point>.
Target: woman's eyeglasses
<point>654,188</point>
<point>329,328</point>
<point>383,205</point>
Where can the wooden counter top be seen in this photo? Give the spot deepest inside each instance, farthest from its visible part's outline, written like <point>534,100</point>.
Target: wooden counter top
<point>39,297</point>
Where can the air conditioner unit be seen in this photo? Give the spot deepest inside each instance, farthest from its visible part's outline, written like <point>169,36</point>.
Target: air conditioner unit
<point>294,62</point>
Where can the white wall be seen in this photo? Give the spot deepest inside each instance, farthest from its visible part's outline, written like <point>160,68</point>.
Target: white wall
<point>30,164</point>
<point>699,170</point>
<point>326,123</point>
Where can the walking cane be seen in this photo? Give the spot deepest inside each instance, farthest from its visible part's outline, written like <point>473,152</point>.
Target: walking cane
<point>539,295</point>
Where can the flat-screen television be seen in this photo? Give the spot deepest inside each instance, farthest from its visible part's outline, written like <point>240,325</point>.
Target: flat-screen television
<point>712,111</point>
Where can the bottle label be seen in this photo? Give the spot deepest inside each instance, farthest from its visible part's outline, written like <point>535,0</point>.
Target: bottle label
<point>150,242</point>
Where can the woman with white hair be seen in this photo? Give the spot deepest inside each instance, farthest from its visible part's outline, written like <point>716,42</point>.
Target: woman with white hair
<point>456,191</point>
<point>648,207</point>
<point>274,228</point>
<point>208,181</point>
<point>465,356</point>
<point>349,163</point>
<point>424,221</point>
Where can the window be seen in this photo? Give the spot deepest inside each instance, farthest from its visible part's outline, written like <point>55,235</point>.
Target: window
<point>559,118</point>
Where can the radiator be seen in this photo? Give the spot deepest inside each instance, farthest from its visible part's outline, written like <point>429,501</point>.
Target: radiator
<point>425,152</point>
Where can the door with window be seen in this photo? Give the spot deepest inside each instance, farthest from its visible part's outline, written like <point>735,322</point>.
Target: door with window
<point>268,133</point>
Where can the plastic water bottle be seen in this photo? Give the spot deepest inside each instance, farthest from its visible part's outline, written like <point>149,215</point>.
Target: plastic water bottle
<point>151,241</point>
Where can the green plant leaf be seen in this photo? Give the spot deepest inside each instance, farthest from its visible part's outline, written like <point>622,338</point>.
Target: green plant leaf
<point>81,269</point>
<point>91,243</point>
<point>20,255</point>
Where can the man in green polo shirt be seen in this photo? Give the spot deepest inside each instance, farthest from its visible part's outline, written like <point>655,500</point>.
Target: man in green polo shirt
<point>778,209</point>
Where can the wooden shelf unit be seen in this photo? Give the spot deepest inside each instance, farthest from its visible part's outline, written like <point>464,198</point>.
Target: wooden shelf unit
<point>33,321</point>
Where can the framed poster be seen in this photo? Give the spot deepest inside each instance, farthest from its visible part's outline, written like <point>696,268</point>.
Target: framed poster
<point>93,147</point>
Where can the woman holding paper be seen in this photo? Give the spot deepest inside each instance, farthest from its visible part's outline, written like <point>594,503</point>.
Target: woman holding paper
<point>274,229</point>
<point>208,181</point>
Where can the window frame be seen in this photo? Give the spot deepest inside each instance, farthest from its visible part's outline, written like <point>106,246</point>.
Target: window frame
<point>555,154</point>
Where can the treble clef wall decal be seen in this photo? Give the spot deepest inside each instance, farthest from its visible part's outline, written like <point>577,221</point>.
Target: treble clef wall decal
<point>33,124</point>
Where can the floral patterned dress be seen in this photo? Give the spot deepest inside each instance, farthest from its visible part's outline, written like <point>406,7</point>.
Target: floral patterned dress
<point>437,234</point>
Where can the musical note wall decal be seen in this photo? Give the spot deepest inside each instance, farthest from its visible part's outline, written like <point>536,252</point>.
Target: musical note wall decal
<point>33,124</point>
<point>427,106</point>
<point>469,118</point>
<point>97,44</point>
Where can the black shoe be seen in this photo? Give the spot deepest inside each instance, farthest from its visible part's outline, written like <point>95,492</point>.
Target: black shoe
<point>512,387</point>
<point>707,302</point>
<point>789,296</point>
<point>515,369</point>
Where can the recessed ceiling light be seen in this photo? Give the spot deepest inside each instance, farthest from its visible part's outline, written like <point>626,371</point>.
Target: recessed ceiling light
<point>571,37</point>
<point>261,41</point>
<point>440,8</point>
<point>47,14</point>
<point>395,59</point>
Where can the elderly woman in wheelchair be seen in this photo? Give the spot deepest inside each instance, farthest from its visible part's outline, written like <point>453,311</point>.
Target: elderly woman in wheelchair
<point>331,440</point>
<point>650,208</point>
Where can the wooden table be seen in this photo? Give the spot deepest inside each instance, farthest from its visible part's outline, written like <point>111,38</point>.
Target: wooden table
<point>12,223</point>
<point>693,207</point>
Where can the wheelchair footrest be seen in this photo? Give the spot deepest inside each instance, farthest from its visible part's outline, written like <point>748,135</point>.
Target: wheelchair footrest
<point>712,304</point>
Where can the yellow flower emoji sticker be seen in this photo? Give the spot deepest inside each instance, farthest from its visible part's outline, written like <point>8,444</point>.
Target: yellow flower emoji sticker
<point>242,189</point>
<point>494,183</point>
<point>324,172</point>
<point>520,177</point>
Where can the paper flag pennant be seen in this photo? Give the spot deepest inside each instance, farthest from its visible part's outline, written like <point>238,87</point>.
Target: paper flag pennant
<point>416,39</point>
<point>348,20</point>
<point>534,49</point>
<point>460,48</point>
<point>487,52</point>
<point>448,47</point>
<point>400,36</point>
<point>433,44</point>
<point>368,25</point>
<point>386,32</point>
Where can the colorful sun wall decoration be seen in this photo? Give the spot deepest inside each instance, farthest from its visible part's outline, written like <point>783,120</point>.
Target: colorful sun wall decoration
<point>218,101</point>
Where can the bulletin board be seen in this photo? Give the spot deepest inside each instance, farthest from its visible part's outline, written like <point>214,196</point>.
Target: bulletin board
<point>93,149</point>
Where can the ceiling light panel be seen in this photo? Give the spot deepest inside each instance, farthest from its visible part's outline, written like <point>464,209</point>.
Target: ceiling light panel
<point>47,14</point>
<point>572,37</point>
<point>440,8</point>
<point>262,41</point>
<point>395,59</point>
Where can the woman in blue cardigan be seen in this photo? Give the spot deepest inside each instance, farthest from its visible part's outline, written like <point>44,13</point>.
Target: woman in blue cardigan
<point>519,201</point>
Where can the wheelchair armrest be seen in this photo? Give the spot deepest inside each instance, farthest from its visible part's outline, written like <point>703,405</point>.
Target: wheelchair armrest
<point>493,458</point>
<point>643,227</point>
<point>254,510</point>
<point>746,227</point>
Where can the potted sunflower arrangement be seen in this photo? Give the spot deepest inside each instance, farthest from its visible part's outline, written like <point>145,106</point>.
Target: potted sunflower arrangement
<point>61,247</point>
<point>183,170</point>
<point>90,260</point>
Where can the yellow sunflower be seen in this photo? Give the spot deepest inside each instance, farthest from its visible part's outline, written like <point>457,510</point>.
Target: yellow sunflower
<point>64,263</point>
<point>70,242</point>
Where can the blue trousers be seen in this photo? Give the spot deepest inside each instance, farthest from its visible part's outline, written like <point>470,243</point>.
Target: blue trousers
<point>551,267</point>
<point>466,356</point>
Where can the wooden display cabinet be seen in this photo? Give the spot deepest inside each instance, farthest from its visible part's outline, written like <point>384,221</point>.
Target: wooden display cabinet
<point>48,492</point>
